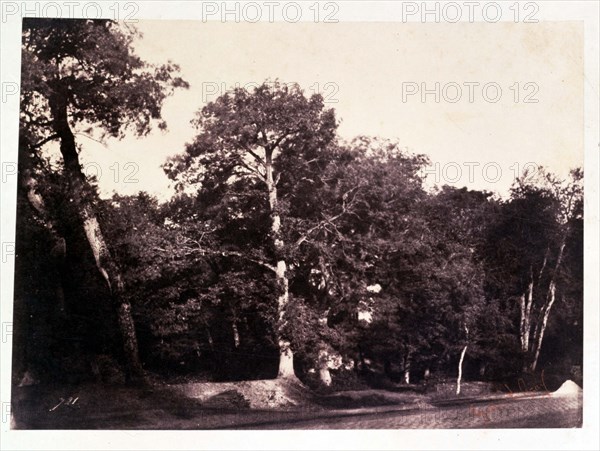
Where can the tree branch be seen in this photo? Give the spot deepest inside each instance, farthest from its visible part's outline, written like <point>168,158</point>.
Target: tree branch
<point>279,140</point>
<point>255,155</point>
<point>92,138</point>
<point>46,140</point>
<point>224,253</point>
<point>245,257</point>
<point>326,221</point>
<point>541,273</point>
<point>251,169</point>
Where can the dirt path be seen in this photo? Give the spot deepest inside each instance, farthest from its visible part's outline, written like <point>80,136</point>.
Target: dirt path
<point>538,411</point>
<point>128,408</point>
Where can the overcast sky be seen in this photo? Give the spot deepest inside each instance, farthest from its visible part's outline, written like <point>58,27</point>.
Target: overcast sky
<point>373,75</point>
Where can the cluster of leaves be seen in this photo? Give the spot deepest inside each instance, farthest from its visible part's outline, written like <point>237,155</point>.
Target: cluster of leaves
<point>90,64</point>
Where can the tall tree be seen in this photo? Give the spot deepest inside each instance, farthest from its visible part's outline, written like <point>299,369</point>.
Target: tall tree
<point>83,74</point>
<point>241,136</point>
<point>568,195</point>
<point>529,239</point>
<point>350,268</point>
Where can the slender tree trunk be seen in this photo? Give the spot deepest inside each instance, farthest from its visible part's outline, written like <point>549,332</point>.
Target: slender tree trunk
<point>407,367</point>
<point>209,337</point>
<point>523,337</point>
<point>78,191</point>
<point>286,357</point>
<point>236,334</point>
<point>482,368</point>
<point>542,325</point>
<point>460,363</point>
<point>546,308</point>
<point>361,365</point>
<point>526,304</point>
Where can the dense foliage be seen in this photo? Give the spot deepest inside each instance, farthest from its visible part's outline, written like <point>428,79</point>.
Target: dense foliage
<point>382,276</point>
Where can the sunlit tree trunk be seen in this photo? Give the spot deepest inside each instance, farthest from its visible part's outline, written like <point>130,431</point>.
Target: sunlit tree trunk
<point>286,357</point>
<point>407,363</point>
<point>526,307</point>
<point>526,304</point>
<point>323,364</point>
<point>460,363</point>
<point>427,374</point>
<point>546,308</point>
<point>79,193</point>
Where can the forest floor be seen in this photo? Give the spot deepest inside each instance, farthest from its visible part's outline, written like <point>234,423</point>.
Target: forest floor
<point>272,404</point>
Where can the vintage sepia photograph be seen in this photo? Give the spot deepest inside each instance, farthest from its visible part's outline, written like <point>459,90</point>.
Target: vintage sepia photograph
<point>237,223</point>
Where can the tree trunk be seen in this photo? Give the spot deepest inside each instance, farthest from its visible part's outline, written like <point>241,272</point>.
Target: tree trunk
<point>286,357</point>
<point>460,362</point>
<point>545,311</point>
<point>323,364</point>
<point>407,368</point>
<point>79,193</point>
<point>361,365</point>
<point>236,334</point>
<point>482,368</point>
<point>460,365</point>
<point>526,304</point>
<point>209,337</point>
<point>325,376</point>
<point>427,374</point>
<point>542,325</point>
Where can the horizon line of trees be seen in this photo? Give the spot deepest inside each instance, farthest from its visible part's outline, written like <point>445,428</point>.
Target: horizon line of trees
<point>285,252</point>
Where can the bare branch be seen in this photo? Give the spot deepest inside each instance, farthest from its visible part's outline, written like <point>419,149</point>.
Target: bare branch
<point>46,140</point>
<point>245,257</point>
<point>222,253</point>
<point>330,220</point>
<point>92,138</point>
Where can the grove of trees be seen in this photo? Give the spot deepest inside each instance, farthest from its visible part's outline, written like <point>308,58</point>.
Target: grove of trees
<point>286,251</point>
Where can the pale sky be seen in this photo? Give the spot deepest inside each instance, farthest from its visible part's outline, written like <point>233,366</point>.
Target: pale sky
<point>368,72</point>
